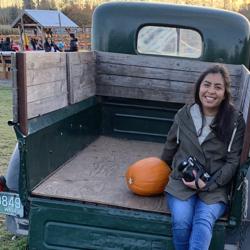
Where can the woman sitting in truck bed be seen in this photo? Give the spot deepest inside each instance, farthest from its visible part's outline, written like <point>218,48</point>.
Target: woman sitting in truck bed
<point>203,147</point>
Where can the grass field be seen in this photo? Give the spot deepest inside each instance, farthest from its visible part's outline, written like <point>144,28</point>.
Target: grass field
<point>7,135</point>
<point>7,143</point>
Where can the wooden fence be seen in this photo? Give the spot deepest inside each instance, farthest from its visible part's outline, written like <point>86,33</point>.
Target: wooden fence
<point>5,66</point>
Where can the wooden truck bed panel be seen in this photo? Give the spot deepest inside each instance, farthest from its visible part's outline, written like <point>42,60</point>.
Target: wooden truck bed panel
<point>96,175</point>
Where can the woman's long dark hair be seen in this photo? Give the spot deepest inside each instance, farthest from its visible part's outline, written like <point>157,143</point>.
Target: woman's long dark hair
<point>222,123</point>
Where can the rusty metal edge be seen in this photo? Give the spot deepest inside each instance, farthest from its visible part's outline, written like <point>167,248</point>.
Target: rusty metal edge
<point>22,92</point>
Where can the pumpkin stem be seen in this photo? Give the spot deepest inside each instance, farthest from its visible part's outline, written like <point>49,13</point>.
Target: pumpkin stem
<point>130,181</point>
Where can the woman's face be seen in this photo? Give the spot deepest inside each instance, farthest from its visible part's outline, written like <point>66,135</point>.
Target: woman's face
<point>212,92</point>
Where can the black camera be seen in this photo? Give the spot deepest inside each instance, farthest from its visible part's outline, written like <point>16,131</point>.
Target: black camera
<point>187,167</point>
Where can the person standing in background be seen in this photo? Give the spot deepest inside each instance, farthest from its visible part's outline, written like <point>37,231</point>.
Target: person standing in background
<point>73,46</point>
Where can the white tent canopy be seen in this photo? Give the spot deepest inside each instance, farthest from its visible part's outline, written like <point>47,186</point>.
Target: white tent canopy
<point>44,19</point>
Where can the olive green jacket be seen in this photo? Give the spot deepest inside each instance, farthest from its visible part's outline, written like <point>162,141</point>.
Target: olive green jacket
<point>213,154</point>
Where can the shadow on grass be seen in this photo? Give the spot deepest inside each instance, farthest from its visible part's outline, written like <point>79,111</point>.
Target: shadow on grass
<point>10,241</point>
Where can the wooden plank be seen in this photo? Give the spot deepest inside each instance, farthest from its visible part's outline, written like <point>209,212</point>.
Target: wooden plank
<point>96,175</point>
<point>46,82</point>
<point>139,93</point>
<point>38,76</point>
<point>149,83</point>
<point>81,76</point>
<point>245,108</point>
<point>153,73</point>
<point>146,72</point>
<point>22,92</point>
<point>246,112</point>
<point>78,69</point>
<point>246,144</point>
<point>46,105</point>
<point>81,57</point>
<point>148,94</point>
<point>137,82</point>
<point>160,62</point>
<point>236,102</point>
<point>42,60</point>
<point>45,90</point>
<point>245,95</point>
<point>172,76</point>
<point>5,66</point>
<point>244,81</point>
<point>81,89</point>
<point>142,88</point>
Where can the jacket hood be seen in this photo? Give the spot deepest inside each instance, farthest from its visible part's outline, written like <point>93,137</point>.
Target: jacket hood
<point>186,123</point>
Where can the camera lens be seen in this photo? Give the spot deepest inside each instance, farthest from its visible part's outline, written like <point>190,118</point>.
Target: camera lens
<point>188,176</point>
<point>182,165</point>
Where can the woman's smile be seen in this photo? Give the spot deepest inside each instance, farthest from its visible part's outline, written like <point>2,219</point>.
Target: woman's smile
<point>209,98</point>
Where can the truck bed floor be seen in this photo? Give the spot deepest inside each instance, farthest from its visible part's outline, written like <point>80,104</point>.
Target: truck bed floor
<point>96,175</point>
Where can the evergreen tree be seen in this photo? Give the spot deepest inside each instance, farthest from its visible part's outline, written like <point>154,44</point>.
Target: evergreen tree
<point>4,16</point>
<point>74,12</point>
<point>46,5</point>
<point>13,13</point>
<point>246,11</point>
<point>81,16</point>
<point>8,15</point>
<point>28,4</point>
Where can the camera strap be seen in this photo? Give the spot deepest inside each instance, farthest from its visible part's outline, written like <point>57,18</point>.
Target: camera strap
<point>212,179</point>
<point>208,184</point>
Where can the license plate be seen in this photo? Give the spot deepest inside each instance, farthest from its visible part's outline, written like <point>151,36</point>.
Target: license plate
<point>10,204</point>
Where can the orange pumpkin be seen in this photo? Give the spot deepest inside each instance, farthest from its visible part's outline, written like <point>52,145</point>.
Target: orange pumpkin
<point>147,177</point>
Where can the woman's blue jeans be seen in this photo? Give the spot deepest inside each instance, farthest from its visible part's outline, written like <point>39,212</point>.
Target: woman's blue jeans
<point>193,221</point>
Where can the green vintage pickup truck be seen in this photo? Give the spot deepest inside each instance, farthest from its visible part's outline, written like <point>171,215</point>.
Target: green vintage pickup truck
<point>82,118</point>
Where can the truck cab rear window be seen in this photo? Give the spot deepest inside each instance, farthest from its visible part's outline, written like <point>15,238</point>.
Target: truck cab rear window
<point>169,41</point>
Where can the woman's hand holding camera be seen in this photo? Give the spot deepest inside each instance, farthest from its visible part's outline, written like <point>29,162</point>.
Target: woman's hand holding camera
<point>192,185</point>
